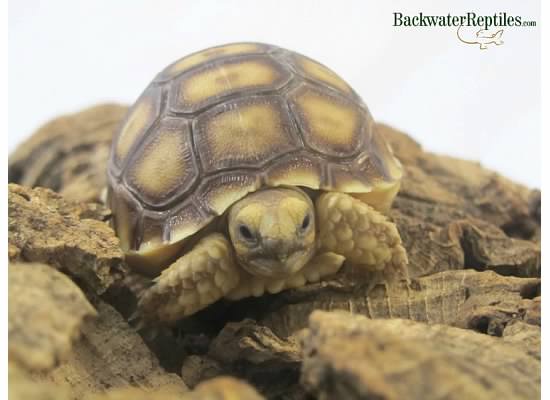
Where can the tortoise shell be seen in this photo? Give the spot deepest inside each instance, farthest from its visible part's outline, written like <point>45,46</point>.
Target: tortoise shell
<point>226,121</point>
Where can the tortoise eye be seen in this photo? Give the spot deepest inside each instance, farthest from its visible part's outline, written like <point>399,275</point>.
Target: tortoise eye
<point>245,232</point>
<point>305,222</point>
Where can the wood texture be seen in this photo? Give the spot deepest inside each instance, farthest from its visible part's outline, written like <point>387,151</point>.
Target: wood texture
<point>352,357</point>
<point>45,313</point>
<point>44,227</point>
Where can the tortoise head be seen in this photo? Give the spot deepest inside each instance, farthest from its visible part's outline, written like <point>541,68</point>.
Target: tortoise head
<point>273,231</point>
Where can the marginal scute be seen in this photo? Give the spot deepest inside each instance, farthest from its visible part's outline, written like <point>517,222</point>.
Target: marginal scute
<point>316,71</point>
<point>330,124</point>
<point>205,86</point>
<point>298,170</point>
<point>152,227</point>
<point>184,221</point>
<point>165,165</point>
<point>212,53</point>
<point>343,179</point>
<point>220,192</point>
<point>386,161</point>
<point>139,120</point>
<point>125,218</point>
<point>244,132</point>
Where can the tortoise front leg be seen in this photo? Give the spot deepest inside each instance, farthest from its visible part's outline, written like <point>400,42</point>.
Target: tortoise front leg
<point>199,278</point>
<point>361,234</point>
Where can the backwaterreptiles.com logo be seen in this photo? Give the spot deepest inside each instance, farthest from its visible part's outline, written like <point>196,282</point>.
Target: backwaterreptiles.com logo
<point>487,29</point>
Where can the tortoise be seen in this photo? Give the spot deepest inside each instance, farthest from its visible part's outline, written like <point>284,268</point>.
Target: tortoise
<point>247,168</point>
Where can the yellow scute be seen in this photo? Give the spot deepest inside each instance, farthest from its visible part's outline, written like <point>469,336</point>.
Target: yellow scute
<point>222,199</point>
<point>246,133</point>
<point>225,79</point>
<point>219,193</point>
<point>136,123</point>
<point>298,172</point>
<point>162,165</point>
<point>210,54</point>
<point>323,74</point>
<point>330,122</point>
<point>298,177</point>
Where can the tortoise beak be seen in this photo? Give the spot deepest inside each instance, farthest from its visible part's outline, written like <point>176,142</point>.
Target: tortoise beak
<point>276,249</point>
<point>279,259</point>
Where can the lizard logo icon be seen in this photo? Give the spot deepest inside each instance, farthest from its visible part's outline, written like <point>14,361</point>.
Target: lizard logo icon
<point>483,37</point>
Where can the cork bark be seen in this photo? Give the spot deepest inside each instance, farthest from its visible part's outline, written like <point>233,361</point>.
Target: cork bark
<point>467,325</point>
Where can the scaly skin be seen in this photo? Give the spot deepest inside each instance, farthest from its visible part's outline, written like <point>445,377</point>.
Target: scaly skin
<point>364,236</point>
<point>197,279</point>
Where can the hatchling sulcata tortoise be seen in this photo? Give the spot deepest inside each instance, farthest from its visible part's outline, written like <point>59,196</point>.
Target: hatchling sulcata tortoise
<point>247,168</point>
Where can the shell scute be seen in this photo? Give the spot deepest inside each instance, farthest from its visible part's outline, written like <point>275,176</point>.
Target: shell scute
<point>330,124</point>
<point>139,120</point>
<point>193,60</point>
<point>244,132</point>
<point>211,84</point>
<point>316,71</point>
<point>165,165</point>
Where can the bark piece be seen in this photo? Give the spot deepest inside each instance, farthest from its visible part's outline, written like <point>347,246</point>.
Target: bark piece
<point>450,297</point>
<point>352,357</point>
<point>430,248</point>
<point>488,247</point>
<point>23,387</point>
<point>492,310</point>
<point>221,388</point>
<point>246,340</point>
<point>69,154</point>
<point>110,355</point>
<point>133,393</point>
<point>44,227</point>
<point>225,388</point>
<point>45,314</point>
<point>532,309</point>
<point>196,369</point>
<point>524,336</point>
<point>256,354</point>
<point>441,188</point>
<point>465,243</point>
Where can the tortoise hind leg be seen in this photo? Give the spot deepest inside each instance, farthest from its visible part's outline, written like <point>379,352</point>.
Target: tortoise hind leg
<point>197,279</point>
<point>363,235</point>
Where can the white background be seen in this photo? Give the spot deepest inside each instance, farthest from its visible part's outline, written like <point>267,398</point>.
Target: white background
<point>451,97</point>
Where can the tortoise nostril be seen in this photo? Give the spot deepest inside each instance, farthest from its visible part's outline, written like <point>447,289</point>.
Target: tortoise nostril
<point>277,250</point>
<point>271,245</point>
